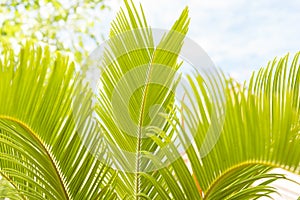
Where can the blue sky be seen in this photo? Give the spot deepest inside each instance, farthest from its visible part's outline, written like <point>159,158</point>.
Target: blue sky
<point>240,36</point>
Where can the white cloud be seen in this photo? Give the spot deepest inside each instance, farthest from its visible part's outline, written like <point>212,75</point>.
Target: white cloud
<point>239,35</point>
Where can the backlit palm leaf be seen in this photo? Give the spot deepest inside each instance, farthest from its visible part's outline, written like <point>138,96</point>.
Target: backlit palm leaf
<point>261,131</point>
<point>42,156</point>
<point>250,144</point>
<point>46,130</point>
<point>132,51</point>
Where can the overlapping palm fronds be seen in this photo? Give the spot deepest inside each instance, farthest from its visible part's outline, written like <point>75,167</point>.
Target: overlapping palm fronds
<point>44,105</point>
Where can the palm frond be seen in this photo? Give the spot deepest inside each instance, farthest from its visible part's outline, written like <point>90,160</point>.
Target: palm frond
<point>137,74</point>
<point>261,128</point>
<point>51,147</point>
<point>41,152</point>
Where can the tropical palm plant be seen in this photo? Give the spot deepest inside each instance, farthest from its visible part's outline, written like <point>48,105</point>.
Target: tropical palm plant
<point>43,155</point>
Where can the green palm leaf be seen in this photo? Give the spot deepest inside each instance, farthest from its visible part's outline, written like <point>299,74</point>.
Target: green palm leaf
<point>132,53</point>
<point>261,131</point>
<point>240,156</point>
<point>41,153</point>
<point>50,146</point>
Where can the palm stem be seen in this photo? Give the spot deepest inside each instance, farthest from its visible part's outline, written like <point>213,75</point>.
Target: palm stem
<point>141,120</point>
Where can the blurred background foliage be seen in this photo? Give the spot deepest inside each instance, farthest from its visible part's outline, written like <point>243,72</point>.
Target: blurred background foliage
<point>69,26</point>
<point>6,189</point>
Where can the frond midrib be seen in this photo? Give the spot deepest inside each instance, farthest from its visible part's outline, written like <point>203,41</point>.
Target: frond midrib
<point>238,166</point>
<point>141,121</point>
<point>45,149</point>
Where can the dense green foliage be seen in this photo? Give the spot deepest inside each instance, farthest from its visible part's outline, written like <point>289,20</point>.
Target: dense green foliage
<point>42,156</point>
<point>62,24</point>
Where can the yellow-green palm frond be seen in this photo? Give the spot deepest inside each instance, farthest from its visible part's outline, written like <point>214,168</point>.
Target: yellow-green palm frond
<point>41,153</point>
<point>260,132</point>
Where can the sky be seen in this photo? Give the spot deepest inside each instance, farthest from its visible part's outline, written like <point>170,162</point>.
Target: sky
<point>240,36</point>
